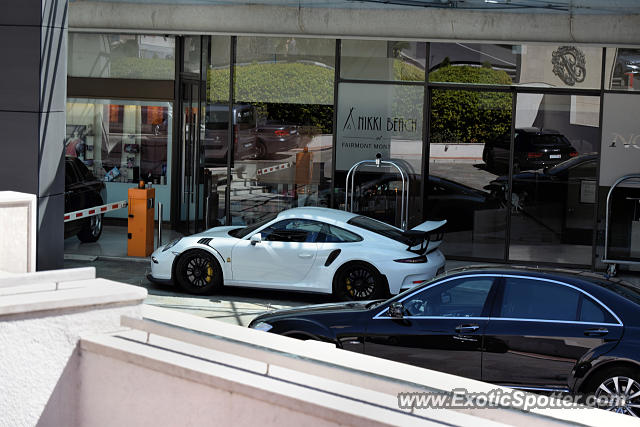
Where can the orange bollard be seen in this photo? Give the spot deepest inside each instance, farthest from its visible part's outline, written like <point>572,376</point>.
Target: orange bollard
<point>140,222</point>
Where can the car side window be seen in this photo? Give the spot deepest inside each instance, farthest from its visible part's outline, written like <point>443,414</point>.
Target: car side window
<point>293,230</point>
<point>332,234</point>
<point>538,299</point>
<point>463,297</point>
<point>590,311</point>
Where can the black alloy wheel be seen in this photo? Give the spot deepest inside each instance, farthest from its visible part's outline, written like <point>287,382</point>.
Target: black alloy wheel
<point>198,272</point>
<point>618,390</point>
<point>261,150</point>
<point>91,229</point>
<point>358,281</point>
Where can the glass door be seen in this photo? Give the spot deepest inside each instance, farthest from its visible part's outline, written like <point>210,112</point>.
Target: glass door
<point>190,191</point>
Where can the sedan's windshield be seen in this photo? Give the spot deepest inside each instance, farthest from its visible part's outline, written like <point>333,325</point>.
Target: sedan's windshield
<point>241,232</point>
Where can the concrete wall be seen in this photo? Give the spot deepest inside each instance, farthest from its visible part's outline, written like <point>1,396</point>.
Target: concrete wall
<point>18,231</point>
<point>378,23</point>
<point>41,319</point>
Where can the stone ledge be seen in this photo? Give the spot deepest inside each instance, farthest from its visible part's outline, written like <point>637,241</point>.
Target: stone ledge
<point>70,295</point>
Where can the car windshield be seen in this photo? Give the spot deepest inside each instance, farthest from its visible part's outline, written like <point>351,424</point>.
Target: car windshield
<point>381,228</point>
<point>241,232</point>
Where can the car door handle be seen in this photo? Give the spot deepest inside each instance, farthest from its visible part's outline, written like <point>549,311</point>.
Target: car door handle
<point>596,332</point>
<point>305,255</point>
<point>465,329</point>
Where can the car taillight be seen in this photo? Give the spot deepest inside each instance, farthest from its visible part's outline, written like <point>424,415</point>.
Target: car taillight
<point>415,260</point>
<point>573,154</point>
<point>534,155</point>
<point>280,132</point>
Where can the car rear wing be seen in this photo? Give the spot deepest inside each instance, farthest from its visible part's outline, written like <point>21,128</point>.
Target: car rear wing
<point>426,237</point>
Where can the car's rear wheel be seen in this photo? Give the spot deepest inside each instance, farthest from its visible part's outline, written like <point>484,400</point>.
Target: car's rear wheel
<point>198,272</point>
<point>261,149</point>
<point>357,281</point>
<point>617,389</point>
<point>91,229</point>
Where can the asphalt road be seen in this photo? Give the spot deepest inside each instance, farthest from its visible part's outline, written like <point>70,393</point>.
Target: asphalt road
<point>234,305</point>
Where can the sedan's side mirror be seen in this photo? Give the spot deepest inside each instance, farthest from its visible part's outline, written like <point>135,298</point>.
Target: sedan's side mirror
<point>396,310</point>
<point>256,238</point>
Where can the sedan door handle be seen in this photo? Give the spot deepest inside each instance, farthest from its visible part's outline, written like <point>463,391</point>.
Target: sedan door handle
<point>596,332</point>
<point>465,329</point>
<point>305,255</point>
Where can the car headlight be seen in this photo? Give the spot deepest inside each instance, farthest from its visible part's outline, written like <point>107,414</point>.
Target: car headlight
<point>171,244</point>
<point>262,326</point>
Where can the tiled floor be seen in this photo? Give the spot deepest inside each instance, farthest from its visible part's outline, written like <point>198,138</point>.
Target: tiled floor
<point>112,243</point>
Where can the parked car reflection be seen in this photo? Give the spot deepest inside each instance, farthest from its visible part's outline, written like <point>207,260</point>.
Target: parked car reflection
<point>560,198</point>
<point>534,148</point>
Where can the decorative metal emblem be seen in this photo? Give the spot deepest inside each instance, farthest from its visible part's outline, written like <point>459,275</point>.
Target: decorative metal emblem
<point>569,64</point>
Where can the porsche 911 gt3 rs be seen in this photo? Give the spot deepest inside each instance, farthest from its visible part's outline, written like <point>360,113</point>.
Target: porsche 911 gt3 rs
<point>308,249</point>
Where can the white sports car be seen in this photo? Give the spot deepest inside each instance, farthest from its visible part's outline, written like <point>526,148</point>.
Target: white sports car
<point>307,249</point>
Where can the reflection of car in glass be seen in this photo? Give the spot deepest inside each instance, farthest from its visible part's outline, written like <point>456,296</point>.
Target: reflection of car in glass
<point>518,327</point>
<point>447,199</point>
<point>560,198</point>
<point>81,191</point>
<point>251,138</point>
<point>457,203</point>
<point>275,137</point>
<point>627,61</point>
<point>305,249</point>
<point>214,133</point>
<point>533,149</point>
<point>548,184</point>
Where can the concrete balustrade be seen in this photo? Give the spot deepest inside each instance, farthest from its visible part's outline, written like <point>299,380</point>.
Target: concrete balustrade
<point>78,350</point>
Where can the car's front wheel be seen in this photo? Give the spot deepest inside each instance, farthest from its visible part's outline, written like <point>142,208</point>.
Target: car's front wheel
<point>618,390</point>
<point>357,281</point>
<point>198,272</point>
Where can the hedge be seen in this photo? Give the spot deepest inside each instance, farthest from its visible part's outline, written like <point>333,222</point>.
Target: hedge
<point>142,68</point>
<point>461,116</point>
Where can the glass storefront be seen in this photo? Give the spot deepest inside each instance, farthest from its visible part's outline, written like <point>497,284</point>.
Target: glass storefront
<point>283,131</point>
<point>502,141</point>
<point>122,143</point>
<point>470,131</point>
<point>121,56</point>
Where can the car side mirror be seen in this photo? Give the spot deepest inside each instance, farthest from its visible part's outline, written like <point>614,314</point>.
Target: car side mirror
<point>396,310</point>
<point>256,238</point>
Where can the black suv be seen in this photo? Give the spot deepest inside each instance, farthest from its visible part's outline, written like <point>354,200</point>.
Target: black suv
<point>534,148</point>
<point>81,191</point>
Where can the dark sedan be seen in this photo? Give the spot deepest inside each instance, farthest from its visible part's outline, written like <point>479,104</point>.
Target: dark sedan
<point>545,330</point>
<point>82,190</point>
<point>534,148</point>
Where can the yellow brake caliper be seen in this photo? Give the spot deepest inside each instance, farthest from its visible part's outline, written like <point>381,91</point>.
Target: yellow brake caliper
<point>209,273</point>
<point>349,287</point>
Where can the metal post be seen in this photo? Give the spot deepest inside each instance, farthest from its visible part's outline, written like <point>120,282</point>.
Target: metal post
<point>159,225</point>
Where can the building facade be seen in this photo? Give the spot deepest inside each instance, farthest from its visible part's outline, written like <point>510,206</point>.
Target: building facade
<point>510,122</point>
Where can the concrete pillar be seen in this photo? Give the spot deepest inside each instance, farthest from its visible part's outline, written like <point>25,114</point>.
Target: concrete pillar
<point>33,50</point>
